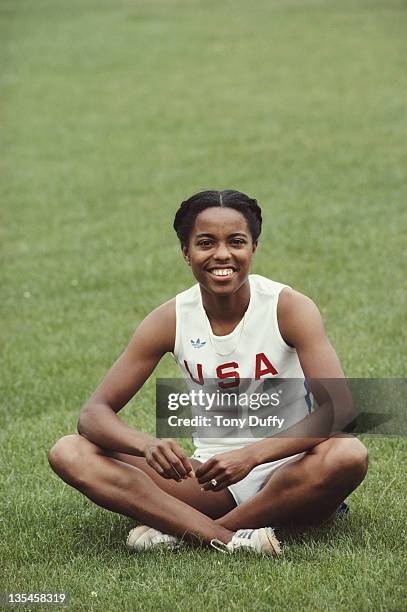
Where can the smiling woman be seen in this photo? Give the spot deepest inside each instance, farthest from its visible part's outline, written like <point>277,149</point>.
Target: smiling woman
<point>218,232</point>
<point>248,327</point>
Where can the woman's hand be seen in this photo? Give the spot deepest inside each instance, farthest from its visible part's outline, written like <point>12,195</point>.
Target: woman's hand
<point>225,468</point>
<point>168,459</point>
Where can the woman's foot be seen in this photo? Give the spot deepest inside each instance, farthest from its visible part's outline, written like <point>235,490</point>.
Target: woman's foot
<point>144,538</point>
<point>262,541</point>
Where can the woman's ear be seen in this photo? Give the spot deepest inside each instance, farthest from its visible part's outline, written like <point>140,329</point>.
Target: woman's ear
<point>185,254</point>
<point>255,244</point>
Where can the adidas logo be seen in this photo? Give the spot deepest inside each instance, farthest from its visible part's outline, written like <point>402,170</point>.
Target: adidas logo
<point>197,343</point>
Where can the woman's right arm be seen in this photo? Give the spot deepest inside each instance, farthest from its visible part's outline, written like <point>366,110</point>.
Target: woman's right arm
<point>98,420</point>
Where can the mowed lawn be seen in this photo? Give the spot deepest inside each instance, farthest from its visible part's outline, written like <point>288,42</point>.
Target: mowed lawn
<point>112,113</point>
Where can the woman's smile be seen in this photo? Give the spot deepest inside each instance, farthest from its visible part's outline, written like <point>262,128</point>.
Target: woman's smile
<point>221,273</point>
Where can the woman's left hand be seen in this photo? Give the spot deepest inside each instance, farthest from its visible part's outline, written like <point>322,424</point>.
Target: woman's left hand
<point>225,468</point>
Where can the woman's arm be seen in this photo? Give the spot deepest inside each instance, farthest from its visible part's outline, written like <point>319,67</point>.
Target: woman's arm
<point>98,420</point>
<point>301,326</point>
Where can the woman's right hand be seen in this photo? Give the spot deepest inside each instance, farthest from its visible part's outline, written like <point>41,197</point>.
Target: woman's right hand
<point>167,458</point>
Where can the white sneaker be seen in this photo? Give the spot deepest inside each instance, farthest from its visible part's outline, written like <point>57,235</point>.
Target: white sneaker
<point>262,541</point>
<point>144,537</point>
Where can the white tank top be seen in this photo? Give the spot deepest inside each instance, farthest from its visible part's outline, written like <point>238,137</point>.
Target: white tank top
<point>254,350</point>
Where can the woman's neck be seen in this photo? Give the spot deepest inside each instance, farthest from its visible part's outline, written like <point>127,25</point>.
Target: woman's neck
<point>226,308</point>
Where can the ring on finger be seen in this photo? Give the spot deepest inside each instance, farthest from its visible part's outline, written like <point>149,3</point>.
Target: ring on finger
<point>214,482</point>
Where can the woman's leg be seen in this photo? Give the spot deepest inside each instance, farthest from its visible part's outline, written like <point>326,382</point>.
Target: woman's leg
<point>307,491</point>
<point>127,485</point>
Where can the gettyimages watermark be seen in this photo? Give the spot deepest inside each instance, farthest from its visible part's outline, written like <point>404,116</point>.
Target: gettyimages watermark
<point>280,407</point>
<point>223,401</point>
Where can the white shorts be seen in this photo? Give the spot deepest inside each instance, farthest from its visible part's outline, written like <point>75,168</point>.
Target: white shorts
<point>255,480</point>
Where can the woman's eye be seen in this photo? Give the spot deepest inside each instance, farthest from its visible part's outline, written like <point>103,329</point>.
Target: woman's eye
<point>237,241</point>
<point>205,243</point>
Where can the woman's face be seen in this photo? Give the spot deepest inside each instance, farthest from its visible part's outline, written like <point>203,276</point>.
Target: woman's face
<point>220,250</point>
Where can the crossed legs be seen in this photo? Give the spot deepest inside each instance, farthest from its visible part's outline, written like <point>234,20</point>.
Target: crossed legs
<point>306,491</point>
<point>128,485</point>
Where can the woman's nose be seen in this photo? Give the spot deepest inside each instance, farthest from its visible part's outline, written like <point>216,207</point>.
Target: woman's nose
<point>222,252</point>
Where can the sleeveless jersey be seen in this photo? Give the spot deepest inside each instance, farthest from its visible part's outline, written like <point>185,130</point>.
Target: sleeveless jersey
<point>254,350</point>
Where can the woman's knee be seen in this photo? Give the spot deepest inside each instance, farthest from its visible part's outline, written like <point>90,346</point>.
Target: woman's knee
<point>68,457</point>
<point>345,460</point>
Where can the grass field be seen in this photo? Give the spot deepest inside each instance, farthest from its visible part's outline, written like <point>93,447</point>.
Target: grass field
<point>112,113</point>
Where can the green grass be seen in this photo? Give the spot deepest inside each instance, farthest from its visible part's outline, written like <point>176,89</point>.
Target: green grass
<point>112,113</point>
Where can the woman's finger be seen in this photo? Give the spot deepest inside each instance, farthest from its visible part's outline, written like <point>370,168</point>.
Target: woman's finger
<point>214,472</point>
<point>221,483</point>
<point>177,450</point>
<point>203,469</point>
<point>175,463</point>
<point>156,466</point>
<point>165,464</point>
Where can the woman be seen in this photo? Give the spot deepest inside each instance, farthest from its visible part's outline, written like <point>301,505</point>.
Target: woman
<point>231,491</point>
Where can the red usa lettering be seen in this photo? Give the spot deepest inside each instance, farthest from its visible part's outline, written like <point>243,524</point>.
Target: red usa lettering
<point>233,376</point>
<point>200,379</point>
<point>230,371</point>
<point>268,368</point>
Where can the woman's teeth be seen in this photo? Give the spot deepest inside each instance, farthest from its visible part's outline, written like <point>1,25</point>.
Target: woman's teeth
<point>222,272</point>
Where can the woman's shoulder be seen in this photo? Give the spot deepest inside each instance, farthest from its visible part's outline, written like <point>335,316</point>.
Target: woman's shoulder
<point>158,327</point>
<point>291,300</point>
<point>164,314</point>
<point>296,312</point>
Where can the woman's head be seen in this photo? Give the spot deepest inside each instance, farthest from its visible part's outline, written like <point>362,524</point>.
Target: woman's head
<point>189,210</point>
<point>218,231</point>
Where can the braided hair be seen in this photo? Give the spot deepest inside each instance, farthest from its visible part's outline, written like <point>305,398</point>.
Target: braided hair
<point>189,210</point>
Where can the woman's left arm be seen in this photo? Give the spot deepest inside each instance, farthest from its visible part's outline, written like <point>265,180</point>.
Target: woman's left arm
<point>301,326</point>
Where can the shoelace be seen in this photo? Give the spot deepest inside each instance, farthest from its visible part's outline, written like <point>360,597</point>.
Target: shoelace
<point>242,537</point>
<point>219,545</point>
